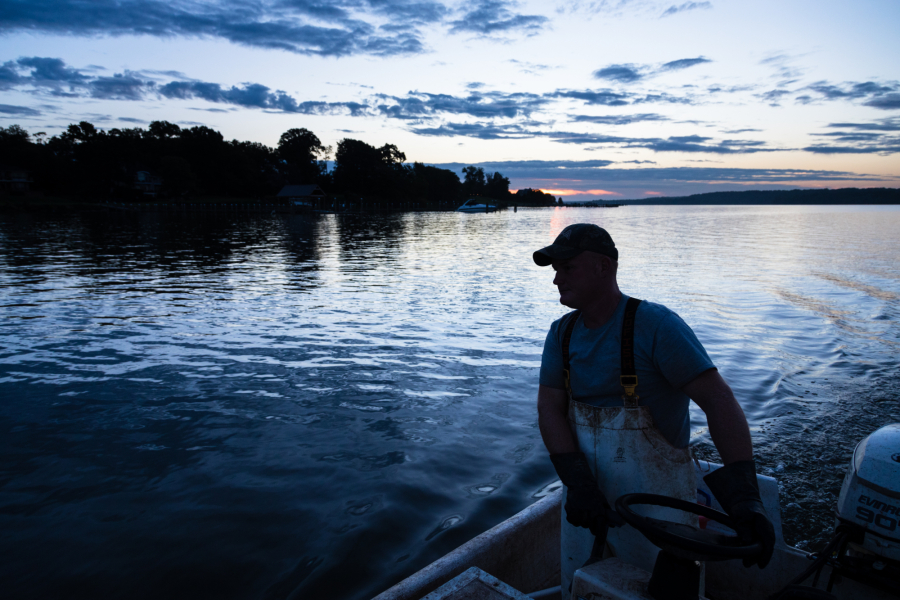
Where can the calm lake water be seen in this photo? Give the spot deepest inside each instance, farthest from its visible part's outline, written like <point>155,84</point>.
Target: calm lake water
<point>317,406</point>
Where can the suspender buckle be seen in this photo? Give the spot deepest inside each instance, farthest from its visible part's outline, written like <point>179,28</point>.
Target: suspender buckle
<point>629,382</point>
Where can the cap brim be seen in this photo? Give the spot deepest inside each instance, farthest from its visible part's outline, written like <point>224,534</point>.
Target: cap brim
<point>546,256</point>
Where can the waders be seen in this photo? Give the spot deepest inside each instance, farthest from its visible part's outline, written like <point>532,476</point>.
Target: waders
<point>627,454</point>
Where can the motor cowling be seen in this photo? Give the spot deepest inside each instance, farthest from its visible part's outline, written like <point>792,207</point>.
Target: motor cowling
<point>870,495</point>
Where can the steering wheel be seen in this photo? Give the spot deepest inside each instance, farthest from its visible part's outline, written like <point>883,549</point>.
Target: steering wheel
<point>685,541</point>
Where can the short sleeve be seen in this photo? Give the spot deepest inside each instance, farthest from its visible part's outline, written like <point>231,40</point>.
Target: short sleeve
<point>551,361</point>
<point>678,354</point>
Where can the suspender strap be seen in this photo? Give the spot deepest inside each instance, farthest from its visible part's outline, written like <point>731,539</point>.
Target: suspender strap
<point>628,377</point>
<point>567,336</point>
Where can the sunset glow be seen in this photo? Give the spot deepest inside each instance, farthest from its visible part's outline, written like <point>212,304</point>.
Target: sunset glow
<point>580,192</point>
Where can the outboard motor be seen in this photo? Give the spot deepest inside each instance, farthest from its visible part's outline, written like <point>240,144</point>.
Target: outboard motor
<point>866,545</point>
<point>869,503</point>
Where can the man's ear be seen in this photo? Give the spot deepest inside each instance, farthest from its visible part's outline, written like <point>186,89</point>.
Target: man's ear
<point>605,263</point>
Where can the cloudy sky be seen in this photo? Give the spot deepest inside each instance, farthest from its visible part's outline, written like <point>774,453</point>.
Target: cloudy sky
<point>613,98</point>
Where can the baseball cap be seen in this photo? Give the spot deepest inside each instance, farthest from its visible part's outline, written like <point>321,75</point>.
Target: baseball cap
<point>575,239</point>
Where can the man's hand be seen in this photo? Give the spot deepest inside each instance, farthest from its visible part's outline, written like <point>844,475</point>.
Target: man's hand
<point>585,504</point>
<point>736,489</point>
<point>752,523</point>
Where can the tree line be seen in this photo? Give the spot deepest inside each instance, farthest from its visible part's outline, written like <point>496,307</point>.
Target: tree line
<point>91,163</point>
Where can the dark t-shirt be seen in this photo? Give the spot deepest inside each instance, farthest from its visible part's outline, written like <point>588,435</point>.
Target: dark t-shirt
<point>667,357</point>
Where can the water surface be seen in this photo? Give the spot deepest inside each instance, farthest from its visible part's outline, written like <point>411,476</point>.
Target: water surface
<point>317,406</point>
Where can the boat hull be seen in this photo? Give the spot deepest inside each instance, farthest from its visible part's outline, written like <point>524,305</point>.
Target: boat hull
<point>476,209</point>
<point>524,552</point>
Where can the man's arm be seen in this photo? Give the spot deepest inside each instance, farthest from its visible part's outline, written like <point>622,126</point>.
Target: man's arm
<point>727,423</point>
<point>734,485</point>
<point>553,420</point>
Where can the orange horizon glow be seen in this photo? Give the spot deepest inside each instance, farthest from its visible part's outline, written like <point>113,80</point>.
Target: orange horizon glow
<point>580,192</point>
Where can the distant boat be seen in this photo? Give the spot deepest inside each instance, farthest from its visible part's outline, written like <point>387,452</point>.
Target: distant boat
<point>477,205</point>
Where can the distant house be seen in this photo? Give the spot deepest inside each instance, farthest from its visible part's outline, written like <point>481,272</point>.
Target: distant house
<point>147,183</point>
<point>302,195</point>
<point>14,180</point>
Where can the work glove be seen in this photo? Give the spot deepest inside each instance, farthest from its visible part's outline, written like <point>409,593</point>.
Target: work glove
<point>585,504</point>
<point>736,489</point>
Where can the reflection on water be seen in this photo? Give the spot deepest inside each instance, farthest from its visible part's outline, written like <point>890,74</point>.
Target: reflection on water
<point>317,406</point>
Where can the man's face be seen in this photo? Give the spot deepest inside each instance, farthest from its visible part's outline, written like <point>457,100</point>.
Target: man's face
<point>578,279</point>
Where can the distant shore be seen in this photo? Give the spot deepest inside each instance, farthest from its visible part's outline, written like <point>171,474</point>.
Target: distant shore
<point>843,196</point>
<point>768,198</point>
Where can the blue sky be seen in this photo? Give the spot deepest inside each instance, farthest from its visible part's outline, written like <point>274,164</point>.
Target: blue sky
<point>612,99</point>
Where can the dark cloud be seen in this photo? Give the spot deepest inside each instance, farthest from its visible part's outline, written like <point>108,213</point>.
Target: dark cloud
<point>251,95</point>
<point>165,73</point>
<point>516,131</point>
<point>732,89</point>
<point>630,73</point>
<point>885,96</point>
<point>54,74</point>
<point>407,11</point>
<point>700,144</point>
<point>600,97</point>
<point>886,102</point>
<point>854,149</point>
<point>878,137</point>
<point>619,73</point>
<point>538,169</point>
<point>474,130</point>
<point>694,143</point>
<point>255,95</point>
<point>618,119</point>
<point>339,28</point>
<point>663,99</point>
<point>121,86</point>
<point>684,144</point>
<point>842,136</point>
<point>489,17</point>
<point>579,137</point>
<point>23,111</point>
<point>687,6</point>
<point>774,97</point>
<point>131,120</point>
<point>9,76</point>
<point>50,72</point>
<point>892,124</point>
<point>418,105</point>
<point>743,143</point>
<point>852,90</point>
<point>734,131</point>
<point>684,63</point>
